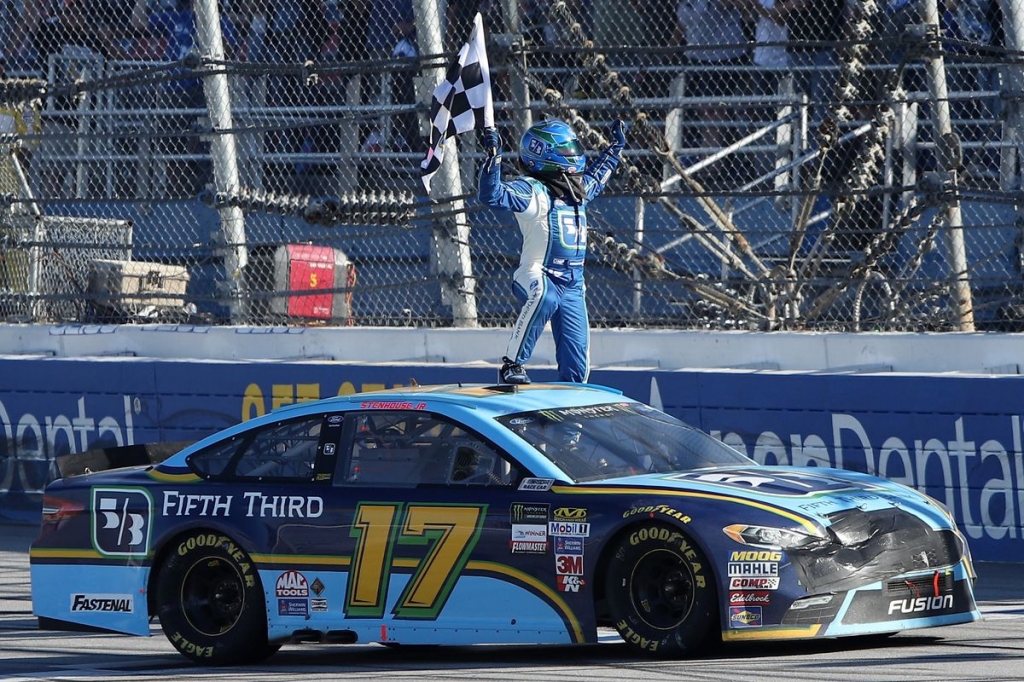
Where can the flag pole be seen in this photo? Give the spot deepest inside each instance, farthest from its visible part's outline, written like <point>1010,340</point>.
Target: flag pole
<point>450,256</point>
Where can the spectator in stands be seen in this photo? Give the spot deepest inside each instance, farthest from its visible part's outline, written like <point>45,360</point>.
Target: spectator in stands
<point>459,22</point>
<point>972,26</point>
<point>814,27</point>
<point>173,22</point>
<point>770,38</point>
<point>406,126</point>
<point>648,29</point>
<point>380,42</point>
<point>81,33</point>
<point>713,32</point>
<point>46,27</point>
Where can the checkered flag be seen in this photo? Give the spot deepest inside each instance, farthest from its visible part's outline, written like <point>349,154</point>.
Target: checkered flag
<point>462,101</point>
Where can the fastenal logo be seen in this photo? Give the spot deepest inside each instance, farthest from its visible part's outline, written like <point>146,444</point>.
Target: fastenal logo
<point>121,521</point>
<point>107,603</point>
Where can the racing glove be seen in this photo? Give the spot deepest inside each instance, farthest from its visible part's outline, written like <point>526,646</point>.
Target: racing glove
<point>491,142</point>
<point>619,137</point>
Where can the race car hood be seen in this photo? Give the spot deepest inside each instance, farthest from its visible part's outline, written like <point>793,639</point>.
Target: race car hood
<point>839,529</point>
<point>817,493</point>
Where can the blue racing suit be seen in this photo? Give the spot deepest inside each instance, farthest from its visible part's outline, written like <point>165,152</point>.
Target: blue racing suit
<point>549,280</point>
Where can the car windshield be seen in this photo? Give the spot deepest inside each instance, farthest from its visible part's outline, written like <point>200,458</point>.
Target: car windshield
<point>619,439</point>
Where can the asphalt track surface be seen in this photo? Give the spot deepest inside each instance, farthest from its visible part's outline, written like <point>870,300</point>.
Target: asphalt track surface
<point>992,649</point>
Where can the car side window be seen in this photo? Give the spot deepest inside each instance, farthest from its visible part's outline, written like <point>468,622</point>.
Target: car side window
<point>407,449</point>
<point>284,450</point>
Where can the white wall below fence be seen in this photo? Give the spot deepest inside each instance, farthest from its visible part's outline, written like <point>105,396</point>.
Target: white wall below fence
<point>976,353</point>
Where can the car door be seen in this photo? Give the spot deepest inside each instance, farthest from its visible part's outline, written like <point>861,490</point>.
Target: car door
<point>417,542</point>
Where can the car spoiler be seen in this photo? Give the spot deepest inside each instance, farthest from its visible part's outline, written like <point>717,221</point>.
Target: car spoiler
<point>102,459</point>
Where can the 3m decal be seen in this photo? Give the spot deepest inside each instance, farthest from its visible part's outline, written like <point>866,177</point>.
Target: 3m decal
<point>121,521</point>
<point>566,564</point>
<point>449,533</point>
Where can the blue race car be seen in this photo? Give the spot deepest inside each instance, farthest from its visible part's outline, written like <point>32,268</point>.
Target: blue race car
<point>485,514</point>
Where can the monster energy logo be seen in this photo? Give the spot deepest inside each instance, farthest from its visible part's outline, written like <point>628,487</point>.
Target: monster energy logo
<point>551,415</point>
<point>522,512</point>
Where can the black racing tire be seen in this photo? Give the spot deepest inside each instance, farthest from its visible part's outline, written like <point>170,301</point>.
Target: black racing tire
<point>210,601</point>
<point>660,592</point>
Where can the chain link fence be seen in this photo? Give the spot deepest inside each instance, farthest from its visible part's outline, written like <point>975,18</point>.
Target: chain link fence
<point>827,165</point>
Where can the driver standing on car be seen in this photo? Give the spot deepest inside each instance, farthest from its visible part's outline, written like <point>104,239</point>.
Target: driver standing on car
<point>549,203</point>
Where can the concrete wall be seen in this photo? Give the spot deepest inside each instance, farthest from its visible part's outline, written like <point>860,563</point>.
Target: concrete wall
<point>941,413</point>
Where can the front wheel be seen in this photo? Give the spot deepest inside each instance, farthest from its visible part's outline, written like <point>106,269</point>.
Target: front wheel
<point>660,591</point>
<point>211,603</point>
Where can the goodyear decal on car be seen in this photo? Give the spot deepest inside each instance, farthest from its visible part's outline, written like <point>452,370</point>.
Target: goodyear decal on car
<point>659,510</point>
<point>608,490</point>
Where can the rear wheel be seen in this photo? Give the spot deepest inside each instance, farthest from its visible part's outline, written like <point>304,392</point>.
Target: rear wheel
<point>211,603</point>
<point>660,592</point>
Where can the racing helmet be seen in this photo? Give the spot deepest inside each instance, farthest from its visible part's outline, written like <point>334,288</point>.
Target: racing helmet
<point>551,146</point>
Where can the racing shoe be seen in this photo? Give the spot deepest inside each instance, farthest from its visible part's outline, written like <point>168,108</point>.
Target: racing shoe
<point>512,373</point>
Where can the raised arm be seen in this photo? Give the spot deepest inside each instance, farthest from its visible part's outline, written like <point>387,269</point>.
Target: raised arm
<point>515,196</point>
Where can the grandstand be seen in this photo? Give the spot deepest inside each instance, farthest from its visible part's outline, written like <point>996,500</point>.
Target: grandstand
<point>266,171</point>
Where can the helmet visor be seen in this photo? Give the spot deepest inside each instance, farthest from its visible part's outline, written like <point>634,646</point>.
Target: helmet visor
<point>567,149</point>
